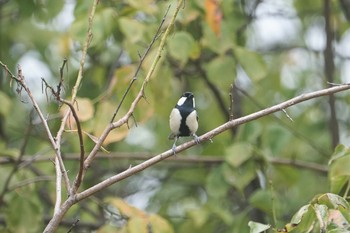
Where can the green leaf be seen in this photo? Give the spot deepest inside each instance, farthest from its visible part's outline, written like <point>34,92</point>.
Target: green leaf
<point>296,219</point>
<point>132,29</point>
<point>199,216</point>
<point>339,168</point>
<point>276,138</point>
<point>23,214</point>
<point>240,177</point>
<point>251,62</point>
<point>221,71</point>
<point>221,44</point>
<point>5,104</point>
<point>256,227</point>
<point>147,6</point>
<point>339,151</point>
<point>215,185</point>
<point>262,200</point>
<point>333,201</point>
<point>304,218</point>
<point>180,46</point>
<point>160,225</point>
<point>238,153</point>
<point>250,132</point>
<point>137,225</point>
<point>103,27</point>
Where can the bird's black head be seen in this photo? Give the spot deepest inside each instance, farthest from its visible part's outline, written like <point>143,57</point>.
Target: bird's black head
<point>187,100</point>
<point>188,95</point>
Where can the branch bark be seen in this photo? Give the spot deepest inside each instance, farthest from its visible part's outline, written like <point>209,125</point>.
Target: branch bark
<point>329,68</point>
<point>208,136</point>
<point>72,199</point>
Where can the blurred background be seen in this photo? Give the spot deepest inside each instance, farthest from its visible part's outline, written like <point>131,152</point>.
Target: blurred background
<point>237,57</point>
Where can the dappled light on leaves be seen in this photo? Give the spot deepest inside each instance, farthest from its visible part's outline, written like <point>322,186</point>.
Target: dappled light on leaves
<point>92,152</point>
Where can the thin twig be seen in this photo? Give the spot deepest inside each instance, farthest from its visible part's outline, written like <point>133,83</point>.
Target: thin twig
<point>287,115</point>
<point>78,178</point>
<point>139,96</point>
<point>54,222</point>
<point>73,98</point>
<point>191,160</point>
<point>31,181</point>
<point>142,58</point>
<point>21,82</point>
<point>231,115</point>
<point>84,53</point>
<point>17,163</point>
<point>296,133</point>
<point>74,224</point>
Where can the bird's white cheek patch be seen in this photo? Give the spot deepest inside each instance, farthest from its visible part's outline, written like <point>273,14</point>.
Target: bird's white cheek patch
<point>191,122</point>
<point>181,101</point>
<point>175,121</point>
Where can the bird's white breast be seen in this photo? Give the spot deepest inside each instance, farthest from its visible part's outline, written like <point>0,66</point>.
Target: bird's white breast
<point>191,122</point>
<point>175,121</point>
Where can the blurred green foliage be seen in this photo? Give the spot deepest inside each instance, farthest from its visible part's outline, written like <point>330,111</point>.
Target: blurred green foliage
<point>249,184</point>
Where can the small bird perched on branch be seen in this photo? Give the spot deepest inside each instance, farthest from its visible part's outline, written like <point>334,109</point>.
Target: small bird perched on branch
<point>184,119</point>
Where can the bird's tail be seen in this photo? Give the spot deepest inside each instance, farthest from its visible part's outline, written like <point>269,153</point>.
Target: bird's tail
<point>172,136</point>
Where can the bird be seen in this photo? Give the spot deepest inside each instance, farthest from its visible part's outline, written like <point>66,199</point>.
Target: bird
<point>184,119</point>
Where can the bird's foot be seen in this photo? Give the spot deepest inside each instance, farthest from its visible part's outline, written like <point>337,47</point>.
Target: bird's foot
<point>196,139</point>
<point>173,149</point>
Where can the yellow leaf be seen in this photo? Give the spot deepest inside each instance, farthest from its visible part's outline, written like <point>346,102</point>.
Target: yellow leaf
<point>126,209</point>
<point>84,109</point>
<point>213,16</point>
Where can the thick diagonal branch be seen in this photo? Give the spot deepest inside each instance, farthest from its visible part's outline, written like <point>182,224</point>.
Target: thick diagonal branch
<point>209,135</point>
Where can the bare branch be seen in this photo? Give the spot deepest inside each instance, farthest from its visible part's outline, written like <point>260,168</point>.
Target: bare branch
<point>54,222</point>
<point>17,163</point>
<point>84,53</point>
<point>300,164</point>
<point>22,84</point>
<point>208,136</point>
<point>142,58</point>
<point>78,178</point>
<point>139,96</point>
<point>193,160</point>
<point>64,119</point>
<point>329,69</point>
<point>293,130</point>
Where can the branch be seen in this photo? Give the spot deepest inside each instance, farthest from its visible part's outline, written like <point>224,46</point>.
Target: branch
<point>57,93</point>
<point>78,178</point>
<point>329,68</point>
<point>300,164</point>
<point>17,162</point>
<point>209,135</point>
<point>56,219</point>
<point>193,160</point>
<point>292,129</point>
<point>155,37</point>
<point>139,96</point>
<point>21,82</point>
<point>64,119</point>
<point>84,53</point>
